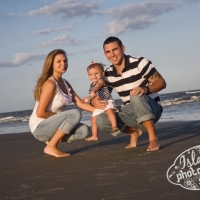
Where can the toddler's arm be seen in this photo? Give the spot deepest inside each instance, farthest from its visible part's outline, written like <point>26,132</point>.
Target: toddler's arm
<point>99,84</point>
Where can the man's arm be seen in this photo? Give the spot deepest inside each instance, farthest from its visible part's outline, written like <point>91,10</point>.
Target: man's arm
<point>98,103</point>
<point>156,84</point>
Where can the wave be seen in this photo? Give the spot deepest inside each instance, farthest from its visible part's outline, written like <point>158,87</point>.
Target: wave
<point>11,119</point>
<point>192,92</point>
<point>178,101</point>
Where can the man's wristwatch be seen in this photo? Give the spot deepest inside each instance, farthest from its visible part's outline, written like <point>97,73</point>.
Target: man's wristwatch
<point>148,92</point>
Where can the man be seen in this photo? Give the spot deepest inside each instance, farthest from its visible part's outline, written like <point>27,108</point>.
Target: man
<point>137,82</point>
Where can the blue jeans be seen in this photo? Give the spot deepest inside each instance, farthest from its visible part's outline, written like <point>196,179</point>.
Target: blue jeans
<point>139,110</point>
<point>67,122</point>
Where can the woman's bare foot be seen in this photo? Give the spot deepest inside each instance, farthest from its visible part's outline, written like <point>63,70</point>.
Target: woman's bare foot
<point>153,146</point>
<point>53,151</point>
<point>133,138</point>
<point>92,138</point>
<point>61,140</point>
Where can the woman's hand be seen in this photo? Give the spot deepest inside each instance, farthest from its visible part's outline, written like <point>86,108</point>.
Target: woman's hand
<point>79,102</point>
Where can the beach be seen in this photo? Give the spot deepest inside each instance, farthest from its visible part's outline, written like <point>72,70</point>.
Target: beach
<point>101,170</point>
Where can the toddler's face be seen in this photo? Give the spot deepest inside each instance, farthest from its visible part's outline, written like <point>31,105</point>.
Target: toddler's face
<point>95,74</point>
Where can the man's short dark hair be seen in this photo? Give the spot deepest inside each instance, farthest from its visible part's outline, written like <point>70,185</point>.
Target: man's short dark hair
<point>112,39</point>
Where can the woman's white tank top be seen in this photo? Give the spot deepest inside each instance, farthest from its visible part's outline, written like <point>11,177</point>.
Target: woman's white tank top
<point>57,104</point>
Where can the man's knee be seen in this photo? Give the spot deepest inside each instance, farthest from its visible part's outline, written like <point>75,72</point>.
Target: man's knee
<point>84,131</point>
<point>136,99</point>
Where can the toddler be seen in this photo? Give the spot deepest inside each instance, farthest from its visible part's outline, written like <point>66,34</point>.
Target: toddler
<point>100,87</point>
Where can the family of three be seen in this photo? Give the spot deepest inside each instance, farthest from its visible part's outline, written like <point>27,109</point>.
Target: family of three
<point>134,78</point>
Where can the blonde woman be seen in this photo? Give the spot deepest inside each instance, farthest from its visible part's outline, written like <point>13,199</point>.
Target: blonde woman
<point>48,122</point>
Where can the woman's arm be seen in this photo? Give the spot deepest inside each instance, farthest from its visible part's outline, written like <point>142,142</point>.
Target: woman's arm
<point>47,94</point>
<point>77,100</point>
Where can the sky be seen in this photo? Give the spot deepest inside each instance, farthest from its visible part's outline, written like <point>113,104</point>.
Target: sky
<point>166,32</point>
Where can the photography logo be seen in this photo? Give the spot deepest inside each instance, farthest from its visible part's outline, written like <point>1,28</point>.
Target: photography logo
<point>185,170</point>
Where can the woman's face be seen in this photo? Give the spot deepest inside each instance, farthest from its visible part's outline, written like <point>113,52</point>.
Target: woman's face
<point>60,63</point>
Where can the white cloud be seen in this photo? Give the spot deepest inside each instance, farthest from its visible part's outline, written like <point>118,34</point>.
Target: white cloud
<point>61,40</point>
<point>50,30</point>
<point>21,59</point>
<point>67,8</point>
<point>192,1</point>
<point>137,16</point>
<point>11,15</point>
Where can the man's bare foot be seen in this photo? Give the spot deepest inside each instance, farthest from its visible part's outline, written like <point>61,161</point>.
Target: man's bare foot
<point>115,129</point>
<point>92,138</point>
<point>53,151</point>
<point>62,140</point>
<point>133,138</point>
<point>153,146</point>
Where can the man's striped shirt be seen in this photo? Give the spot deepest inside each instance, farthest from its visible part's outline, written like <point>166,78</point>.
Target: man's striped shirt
<point>136,73</point>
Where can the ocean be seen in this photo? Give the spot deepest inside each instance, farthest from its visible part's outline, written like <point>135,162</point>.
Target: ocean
<point>179,106</point>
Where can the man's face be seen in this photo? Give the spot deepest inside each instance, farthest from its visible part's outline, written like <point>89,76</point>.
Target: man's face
<point>114,53</point>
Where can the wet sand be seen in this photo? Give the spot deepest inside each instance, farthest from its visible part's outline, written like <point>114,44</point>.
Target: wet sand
<point>102,170</point>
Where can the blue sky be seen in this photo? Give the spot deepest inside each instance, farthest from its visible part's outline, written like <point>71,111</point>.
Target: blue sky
<point>167,32</point>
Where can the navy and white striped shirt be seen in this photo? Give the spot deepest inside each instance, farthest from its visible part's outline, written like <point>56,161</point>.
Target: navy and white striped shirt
<point>136,73</point>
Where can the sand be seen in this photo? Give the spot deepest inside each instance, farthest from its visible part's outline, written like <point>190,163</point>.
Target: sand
<point>102,170</point>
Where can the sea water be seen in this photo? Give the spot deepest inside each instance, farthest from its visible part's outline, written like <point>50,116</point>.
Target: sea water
<point>179,106</point>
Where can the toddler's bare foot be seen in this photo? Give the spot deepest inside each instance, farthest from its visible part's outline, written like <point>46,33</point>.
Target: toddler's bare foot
<point>133,138</point>
<point>92,138</point>
<point>153,146</point>
<point>53,151</point>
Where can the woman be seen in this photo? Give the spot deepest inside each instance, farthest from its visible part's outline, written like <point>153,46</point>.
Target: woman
<point>48,122</point>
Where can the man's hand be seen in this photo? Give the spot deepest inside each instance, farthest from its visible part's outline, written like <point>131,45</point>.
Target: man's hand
<point>138,90</point>
<point>98,103</point>
<point>156,84</point>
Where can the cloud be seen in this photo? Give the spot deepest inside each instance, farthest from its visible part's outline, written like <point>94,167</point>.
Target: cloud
<point>23,58</point>
<point>50,30</point>
<point>61,40</point>
<point>67,8</point>
<point>192,1</point>
<point>11,15</point>
<point>137,16</point>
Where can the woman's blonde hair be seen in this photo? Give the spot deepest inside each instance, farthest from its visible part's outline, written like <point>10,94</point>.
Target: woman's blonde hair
<point>47,71</point>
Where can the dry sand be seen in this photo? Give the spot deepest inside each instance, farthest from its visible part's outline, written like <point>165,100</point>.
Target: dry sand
<point>102,170</point>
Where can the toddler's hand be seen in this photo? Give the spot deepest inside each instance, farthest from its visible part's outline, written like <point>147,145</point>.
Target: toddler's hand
<point>86,99</point>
